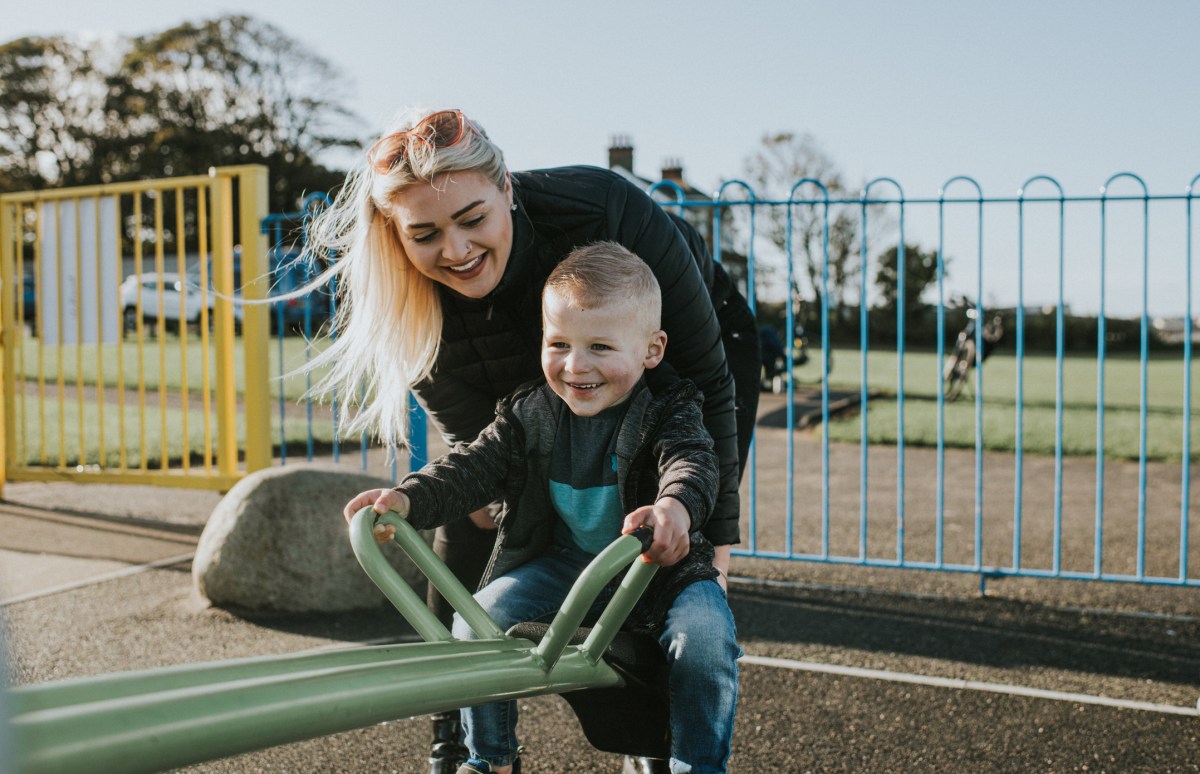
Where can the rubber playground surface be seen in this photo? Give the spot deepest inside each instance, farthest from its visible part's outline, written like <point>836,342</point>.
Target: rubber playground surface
<point>847,669</point>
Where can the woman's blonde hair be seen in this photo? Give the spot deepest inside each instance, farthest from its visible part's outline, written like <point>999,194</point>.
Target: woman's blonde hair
<point>387,327</point>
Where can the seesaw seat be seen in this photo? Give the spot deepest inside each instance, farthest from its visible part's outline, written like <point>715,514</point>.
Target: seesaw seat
<point>633,719</point>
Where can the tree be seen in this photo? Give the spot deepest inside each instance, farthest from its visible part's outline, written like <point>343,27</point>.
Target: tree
<point>50,116</point>
<point>782,160</point>
<point>232,90</point>
<point>920,273</point>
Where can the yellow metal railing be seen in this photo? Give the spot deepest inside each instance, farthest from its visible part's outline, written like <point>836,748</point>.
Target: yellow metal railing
<point>129,367</point>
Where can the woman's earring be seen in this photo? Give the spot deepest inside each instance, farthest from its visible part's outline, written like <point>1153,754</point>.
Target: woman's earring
<point>514,207</point>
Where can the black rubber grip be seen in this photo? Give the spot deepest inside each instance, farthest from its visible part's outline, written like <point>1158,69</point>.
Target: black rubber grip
<point>645,535</point>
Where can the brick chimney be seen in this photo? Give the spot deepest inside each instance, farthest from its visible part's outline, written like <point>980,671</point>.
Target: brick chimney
<point>672,169</point>
<point>620,152</point>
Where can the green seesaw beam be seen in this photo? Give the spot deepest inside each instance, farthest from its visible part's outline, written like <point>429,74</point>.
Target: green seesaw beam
<point>175,716</point>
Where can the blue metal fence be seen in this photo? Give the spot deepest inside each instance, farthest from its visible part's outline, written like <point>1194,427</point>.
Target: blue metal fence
<point>292,268</point>
<point>916,480</point>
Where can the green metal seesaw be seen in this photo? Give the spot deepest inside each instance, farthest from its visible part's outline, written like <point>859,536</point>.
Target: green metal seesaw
<point>174,716</point>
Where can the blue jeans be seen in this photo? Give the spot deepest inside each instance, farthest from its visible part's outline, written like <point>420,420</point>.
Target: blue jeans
<point>699,640</point>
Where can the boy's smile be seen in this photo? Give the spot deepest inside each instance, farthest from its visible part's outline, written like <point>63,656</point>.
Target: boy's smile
<point>593,358</point>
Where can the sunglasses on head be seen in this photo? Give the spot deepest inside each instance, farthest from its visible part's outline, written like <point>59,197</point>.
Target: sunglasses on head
<point>437,130</point>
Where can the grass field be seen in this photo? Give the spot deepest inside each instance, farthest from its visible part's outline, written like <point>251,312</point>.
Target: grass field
<point>52,430</point>
<point>57,433</point>
<point>164,363</point>
<point>1002,373</point>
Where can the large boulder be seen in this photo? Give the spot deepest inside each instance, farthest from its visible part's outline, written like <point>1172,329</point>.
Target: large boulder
<point>277,542</point>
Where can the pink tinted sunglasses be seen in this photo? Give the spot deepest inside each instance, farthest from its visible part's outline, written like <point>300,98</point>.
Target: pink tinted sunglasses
<point>443,129</point>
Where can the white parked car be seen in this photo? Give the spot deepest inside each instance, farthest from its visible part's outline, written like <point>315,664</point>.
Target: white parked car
<point>181,300</point>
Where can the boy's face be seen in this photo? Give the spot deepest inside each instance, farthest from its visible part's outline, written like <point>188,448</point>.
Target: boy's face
<point>592,358</point>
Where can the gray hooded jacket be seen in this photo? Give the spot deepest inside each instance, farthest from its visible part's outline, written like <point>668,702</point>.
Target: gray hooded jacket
<point>662,450</point>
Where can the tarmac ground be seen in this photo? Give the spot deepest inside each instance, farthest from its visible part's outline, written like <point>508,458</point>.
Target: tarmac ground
<point>847,668</point>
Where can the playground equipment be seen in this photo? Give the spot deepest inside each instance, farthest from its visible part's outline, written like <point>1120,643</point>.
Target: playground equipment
<point>162,718</point>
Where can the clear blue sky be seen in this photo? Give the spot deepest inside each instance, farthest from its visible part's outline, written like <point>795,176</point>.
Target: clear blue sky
<point>918,91</point>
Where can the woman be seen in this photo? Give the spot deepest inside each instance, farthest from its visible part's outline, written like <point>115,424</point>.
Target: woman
<point>443,254</point>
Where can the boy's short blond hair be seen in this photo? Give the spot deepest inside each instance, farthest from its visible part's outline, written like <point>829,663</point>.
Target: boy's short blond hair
<point>604,273</point>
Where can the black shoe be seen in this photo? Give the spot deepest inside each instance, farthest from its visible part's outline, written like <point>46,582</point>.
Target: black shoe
<point>448,751</point>
<point>645,766</point>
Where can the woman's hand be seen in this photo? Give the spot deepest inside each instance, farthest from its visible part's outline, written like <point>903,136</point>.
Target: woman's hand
<point>671,522</point>
<point>383,500</point>
<point>482,518</point>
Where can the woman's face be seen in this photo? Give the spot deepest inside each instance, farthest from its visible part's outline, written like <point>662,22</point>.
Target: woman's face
<point>457,230</point>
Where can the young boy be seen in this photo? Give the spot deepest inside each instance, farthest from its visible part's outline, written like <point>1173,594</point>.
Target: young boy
<point>589,453</point>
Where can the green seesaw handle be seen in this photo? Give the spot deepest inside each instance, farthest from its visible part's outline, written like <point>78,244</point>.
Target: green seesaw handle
<point>619,554</point>
<point>611,561</point>
<point>400,594</point>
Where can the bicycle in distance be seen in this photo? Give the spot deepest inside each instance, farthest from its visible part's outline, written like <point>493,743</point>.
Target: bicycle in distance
<point>964,355</point>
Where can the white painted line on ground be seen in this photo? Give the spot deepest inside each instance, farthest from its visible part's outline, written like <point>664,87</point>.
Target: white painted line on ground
<point>966,685</point>
<point>121,573</point>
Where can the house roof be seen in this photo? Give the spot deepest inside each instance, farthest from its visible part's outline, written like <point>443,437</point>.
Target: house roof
<point>663,193</point>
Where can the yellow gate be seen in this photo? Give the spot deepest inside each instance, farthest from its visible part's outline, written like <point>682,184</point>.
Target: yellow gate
<point>126,357</point>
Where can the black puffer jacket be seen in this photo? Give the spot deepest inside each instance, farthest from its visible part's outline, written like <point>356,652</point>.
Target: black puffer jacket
<point>661,451</point>
<point>490,346</point>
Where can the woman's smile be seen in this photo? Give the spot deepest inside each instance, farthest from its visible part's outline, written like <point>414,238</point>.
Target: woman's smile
<point>470,268</point>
